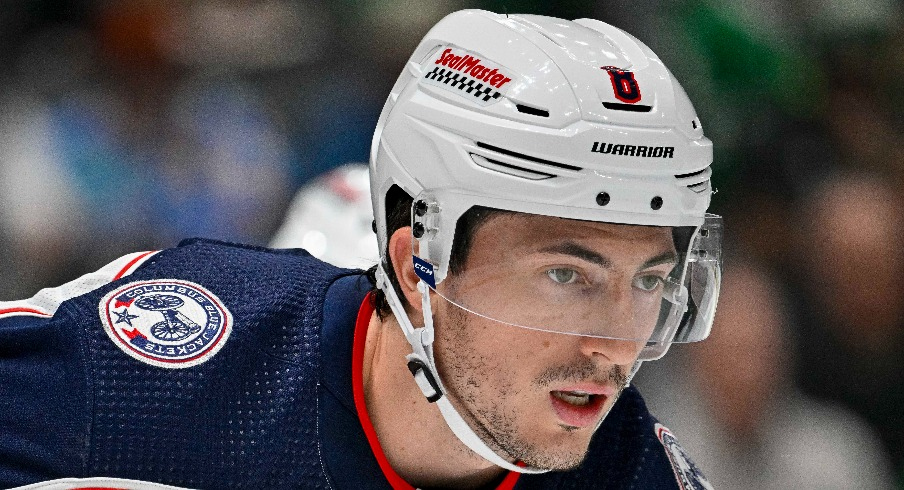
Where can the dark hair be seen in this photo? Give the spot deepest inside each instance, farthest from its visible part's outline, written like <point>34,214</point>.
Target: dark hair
<point>398,215</point>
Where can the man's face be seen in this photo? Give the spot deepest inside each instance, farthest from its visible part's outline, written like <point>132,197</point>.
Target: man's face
<point>533,395</point>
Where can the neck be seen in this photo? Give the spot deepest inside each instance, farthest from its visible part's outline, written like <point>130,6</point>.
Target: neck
<point>415,439</point>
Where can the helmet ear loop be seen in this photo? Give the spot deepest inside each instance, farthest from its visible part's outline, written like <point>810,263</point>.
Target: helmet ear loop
<point>422,355</point>
<point>420,361</point>
<point>427,312</point>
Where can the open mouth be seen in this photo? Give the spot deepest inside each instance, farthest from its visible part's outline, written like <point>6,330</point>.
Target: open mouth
<point>576,398</point>
<point>577,408</point>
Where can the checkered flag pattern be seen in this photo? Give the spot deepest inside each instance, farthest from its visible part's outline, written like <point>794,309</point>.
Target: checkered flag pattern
<point>466,84</point>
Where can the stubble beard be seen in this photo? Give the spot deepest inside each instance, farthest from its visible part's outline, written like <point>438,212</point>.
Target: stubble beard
<point>488,409</point>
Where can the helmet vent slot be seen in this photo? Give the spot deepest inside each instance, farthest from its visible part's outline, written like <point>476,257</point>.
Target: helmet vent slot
<point>696,181</point>
<point>533,111</point>
<point>615,106</point>
<point>529,158</point>
<point>510,169</point>
<point>692,174</point>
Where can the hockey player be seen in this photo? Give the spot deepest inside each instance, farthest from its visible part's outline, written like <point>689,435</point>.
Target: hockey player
<point>540,189</point>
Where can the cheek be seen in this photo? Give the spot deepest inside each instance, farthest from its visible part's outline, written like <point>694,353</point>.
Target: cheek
<point>646,313</point>
<point>482,352</point>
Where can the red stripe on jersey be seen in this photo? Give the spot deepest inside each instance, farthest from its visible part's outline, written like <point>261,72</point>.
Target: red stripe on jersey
<point>510,480</point>
<point>397,482</point>
<point>364,314</point>
<point>130,264</point>
<point>30,311</point>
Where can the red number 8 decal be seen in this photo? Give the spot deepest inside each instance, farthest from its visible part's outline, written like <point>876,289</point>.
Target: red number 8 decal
<point>624,85</point>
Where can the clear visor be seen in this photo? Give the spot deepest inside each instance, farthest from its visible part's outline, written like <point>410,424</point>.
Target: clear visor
<point>646,284</point>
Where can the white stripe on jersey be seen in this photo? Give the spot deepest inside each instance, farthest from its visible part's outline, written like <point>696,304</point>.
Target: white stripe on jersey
<point>97,484</point>
<point>47,300</point>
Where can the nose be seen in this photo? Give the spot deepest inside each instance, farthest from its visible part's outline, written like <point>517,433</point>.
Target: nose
<point>615,351</point>
<point>619,316</point>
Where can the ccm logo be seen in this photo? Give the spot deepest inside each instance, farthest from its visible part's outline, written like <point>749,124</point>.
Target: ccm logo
<point>424,270</point>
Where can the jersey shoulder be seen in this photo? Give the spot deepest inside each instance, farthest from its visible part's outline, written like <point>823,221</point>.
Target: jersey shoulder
<point>210,260</point>
<point>206,352</point>
<point>45,303</point>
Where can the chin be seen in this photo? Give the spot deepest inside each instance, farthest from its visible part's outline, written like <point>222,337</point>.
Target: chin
<point>556,458</point>
<point>562,448</point>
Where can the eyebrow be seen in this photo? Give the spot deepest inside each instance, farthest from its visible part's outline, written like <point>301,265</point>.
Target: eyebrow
<point>583,253</point>
<point>669,257</point>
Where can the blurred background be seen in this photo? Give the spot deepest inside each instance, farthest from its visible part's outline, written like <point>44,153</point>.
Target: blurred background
<point>128,125</point>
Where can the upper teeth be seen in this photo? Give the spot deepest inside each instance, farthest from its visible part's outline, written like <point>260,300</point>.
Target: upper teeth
<point>573,397</point>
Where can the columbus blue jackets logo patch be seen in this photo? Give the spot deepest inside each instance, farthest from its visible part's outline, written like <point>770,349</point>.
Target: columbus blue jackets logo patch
<point>166,322</point>
<point>686,472</point>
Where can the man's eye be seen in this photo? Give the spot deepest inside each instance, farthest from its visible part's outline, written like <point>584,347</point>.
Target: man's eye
<point>563,276</point>
<point>647,283</point>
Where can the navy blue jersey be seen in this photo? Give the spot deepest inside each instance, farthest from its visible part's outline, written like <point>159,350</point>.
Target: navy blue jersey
<point>215,366</point>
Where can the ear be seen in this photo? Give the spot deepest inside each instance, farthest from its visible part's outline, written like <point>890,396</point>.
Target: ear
<point>400,253</point>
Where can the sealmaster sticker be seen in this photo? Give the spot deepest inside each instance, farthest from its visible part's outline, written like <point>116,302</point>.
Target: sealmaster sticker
<point>166,322</point>
<point>468,74</point>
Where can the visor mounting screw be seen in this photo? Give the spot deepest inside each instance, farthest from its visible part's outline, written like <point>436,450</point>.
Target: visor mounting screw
<point>656,203</point>
<point>704,232</point>
<point>420,208</point>
<point>602,198</point>
<point>418,230</point>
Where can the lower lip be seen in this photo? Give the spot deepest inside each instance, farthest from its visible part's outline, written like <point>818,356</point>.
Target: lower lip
<point>578,416</point>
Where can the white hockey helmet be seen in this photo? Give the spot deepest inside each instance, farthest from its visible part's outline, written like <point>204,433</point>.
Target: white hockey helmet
<point>538,115</point>
<point>331,218</point>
